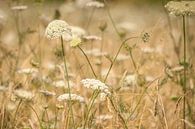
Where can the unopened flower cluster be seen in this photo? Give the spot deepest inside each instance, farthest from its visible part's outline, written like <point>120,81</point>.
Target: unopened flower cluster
<point>95,84</point>
<point>181,8</point>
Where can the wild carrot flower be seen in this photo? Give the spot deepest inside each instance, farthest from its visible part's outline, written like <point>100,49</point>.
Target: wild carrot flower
<point>96,4</point>
<point>47,93</point>
<point>62,84</point>
<point>23,94</point>
<point>95,85</point>
<point>3,88</point>
<point>180,8</point>
<point>19,8</point>
<point>74,97</point>
<point>92,37</point>
<point>27,71</point>
<point>56,29</point>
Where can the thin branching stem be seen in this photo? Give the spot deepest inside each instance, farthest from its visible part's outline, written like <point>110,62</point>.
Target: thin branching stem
<point>112,63</point>
<point>92,69</point>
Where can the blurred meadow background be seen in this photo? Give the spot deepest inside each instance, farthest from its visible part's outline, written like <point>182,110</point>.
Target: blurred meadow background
<point>105,64</point>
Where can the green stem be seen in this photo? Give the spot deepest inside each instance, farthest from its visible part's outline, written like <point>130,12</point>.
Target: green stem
<point>88,61</point>
<point>118,113</point>
<point>112,63</point>
<point>134,64</point>
<point>185,71</point>
<point>67,79</point>
<point>95,95</point>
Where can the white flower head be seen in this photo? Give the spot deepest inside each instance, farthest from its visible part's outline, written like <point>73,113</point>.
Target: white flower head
<point>76,32</point>
<point>23,94</point>
<point>56,29</point>
<point>47,93</point>
<point>180,8</point>
<point>96,85</point>
<point>92,37</point>
<point>62,84</point>
<point>73,97</point>
<point>19,8</point>
<point>95,4</point>
<point>3,88</point>
<point>28,71</point>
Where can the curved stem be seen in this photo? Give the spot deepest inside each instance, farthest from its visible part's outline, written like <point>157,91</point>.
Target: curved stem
<point>40,124</point>
<point>112,63</point>
<point>67,79</point>
<point>88,61</point>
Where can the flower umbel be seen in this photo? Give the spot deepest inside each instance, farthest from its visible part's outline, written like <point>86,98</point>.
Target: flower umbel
<point>180,8</point>
<point>56,29</point>
<point>74,97</point>
<point>95,85</point>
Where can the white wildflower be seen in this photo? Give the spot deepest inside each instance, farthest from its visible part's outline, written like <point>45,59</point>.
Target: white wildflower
<point>23,94</point>
<point>95,84</point>
<point>96,4</point>
<point>96,53</point>
<point>62,84</point>
<point>130,80</point>
<point>122,57</point>
<point>19,8</point>
<point>76,32</point>
<point>82,3</point>
<point>74,97</point>
<point>127,26</point>
<point>177,69</point>
<point>179,8</point>
<point>47,93</point>
<point>102,96</point>
<point>3,88</point>
<point>92,37</point>
<point>102,118</point>
<point>28,71</point>
<point>56,29</point>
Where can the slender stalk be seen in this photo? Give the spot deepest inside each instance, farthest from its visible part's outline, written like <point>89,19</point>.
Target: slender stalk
<point>90,18</point>
<point>112,63</point>
<point>88,61</point>
<point>101,50</point>
<point>134,64</point>
<point>66,76</point>
<point>40,124</point>
<point>17,109</point>
<point>112,21</point>
<point>118,113</point>
<point>56,118</point>
<point>185,70</point>
<point>95,95</point>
